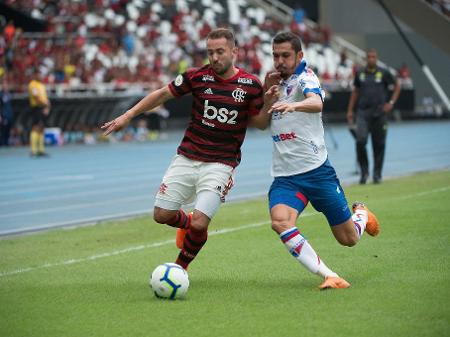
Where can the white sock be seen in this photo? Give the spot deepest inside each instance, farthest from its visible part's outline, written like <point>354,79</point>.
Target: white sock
<point>299,247</point>
<point>360,220</point>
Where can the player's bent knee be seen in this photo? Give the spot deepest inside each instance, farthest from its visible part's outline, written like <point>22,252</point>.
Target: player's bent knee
<point>348,240</point>
<point>158,218</point>
<point>345,233</point>
<point>198,228</point>
<point>162,215</point>
<point>200,224</point>
<point>349,243</point>
<point>280,226</point>
<point>283,218</point>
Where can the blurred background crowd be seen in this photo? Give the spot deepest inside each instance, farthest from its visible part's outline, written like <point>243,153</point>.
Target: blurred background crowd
<point>116,46</point>
<point>120,42</point>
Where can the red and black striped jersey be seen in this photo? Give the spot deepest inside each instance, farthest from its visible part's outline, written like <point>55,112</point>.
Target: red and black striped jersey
<point>220,114</point>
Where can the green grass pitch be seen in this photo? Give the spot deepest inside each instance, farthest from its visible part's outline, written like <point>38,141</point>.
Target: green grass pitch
<point>93,281</point>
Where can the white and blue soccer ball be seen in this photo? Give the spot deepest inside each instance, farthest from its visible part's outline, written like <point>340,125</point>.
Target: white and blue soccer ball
<point>169,280</point>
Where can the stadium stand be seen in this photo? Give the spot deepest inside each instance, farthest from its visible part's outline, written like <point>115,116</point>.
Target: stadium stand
<point>121,49</point>
<point>143,41</point>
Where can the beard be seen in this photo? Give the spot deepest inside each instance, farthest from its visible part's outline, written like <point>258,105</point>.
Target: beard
<point>221,69</point>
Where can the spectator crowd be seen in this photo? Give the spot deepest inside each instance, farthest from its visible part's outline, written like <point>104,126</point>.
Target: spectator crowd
<point>120,42</point>
<point>139,45</point>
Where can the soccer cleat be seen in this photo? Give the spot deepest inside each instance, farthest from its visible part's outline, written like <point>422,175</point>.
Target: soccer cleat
<point>334,282</point>
<point>181,233</point>
<point>372,225</point>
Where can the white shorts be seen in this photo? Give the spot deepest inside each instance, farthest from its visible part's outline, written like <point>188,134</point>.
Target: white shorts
<point>186,179</point>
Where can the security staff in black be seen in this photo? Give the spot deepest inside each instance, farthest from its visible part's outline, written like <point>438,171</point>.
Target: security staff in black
<point>371,93</point>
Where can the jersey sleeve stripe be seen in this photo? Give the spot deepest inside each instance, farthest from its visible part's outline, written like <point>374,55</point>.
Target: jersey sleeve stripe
<point>173,90</point>
<point>314,90</point>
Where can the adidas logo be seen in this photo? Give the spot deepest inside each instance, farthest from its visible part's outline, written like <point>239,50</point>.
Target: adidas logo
<point>208,91</point>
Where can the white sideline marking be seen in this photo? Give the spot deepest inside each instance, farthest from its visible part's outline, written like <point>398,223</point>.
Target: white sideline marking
<point>163,243</point>
<point>134,248</point>
<point>421,194</point>
<point>123,251</point>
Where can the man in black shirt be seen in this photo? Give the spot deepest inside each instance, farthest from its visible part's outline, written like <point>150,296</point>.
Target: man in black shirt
<point>371,93</point>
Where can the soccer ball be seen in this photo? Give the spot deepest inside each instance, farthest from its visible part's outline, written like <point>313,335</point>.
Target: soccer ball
<point>169,280</point>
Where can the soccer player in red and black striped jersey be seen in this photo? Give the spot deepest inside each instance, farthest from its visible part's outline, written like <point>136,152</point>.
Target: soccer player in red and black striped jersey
<point>226,100</point>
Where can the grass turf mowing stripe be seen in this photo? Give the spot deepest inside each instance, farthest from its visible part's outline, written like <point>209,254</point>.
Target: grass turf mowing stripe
<point>166,242</point>
<point>130,249</point>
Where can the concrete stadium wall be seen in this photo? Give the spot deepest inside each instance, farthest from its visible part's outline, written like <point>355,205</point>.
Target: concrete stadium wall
<point>91,112</point>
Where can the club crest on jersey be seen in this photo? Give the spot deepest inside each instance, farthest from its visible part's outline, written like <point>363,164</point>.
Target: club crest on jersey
<point>289,89</point>
<point>179,80</point>
<point>302,84</point>
<point>276,116</point>
<point>245,80</point>
<point>238,95</point>
<point>207,78</point>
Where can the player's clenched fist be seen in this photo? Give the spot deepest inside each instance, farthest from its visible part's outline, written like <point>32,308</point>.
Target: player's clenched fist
<point>272,78</point>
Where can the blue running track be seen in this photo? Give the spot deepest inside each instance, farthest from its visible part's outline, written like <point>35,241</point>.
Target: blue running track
<point>82,184</point>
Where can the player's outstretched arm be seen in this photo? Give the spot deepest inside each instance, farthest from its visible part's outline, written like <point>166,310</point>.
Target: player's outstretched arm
<point>148,103</point>
<point>312,103</point>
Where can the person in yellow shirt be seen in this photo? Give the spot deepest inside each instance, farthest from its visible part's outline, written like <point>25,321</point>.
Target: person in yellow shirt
<point>40,109</point>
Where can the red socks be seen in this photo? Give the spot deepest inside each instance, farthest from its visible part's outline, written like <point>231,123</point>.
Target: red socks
<point>180,220</point>
<point>193,242</point>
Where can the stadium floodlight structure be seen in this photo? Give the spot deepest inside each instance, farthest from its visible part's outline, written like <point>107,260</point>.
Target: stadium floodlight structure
<point>426,70</point>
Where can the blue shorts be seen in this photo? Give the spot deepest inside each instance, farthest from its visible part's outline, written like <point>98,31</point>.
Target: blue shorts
<point>319,186</point>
